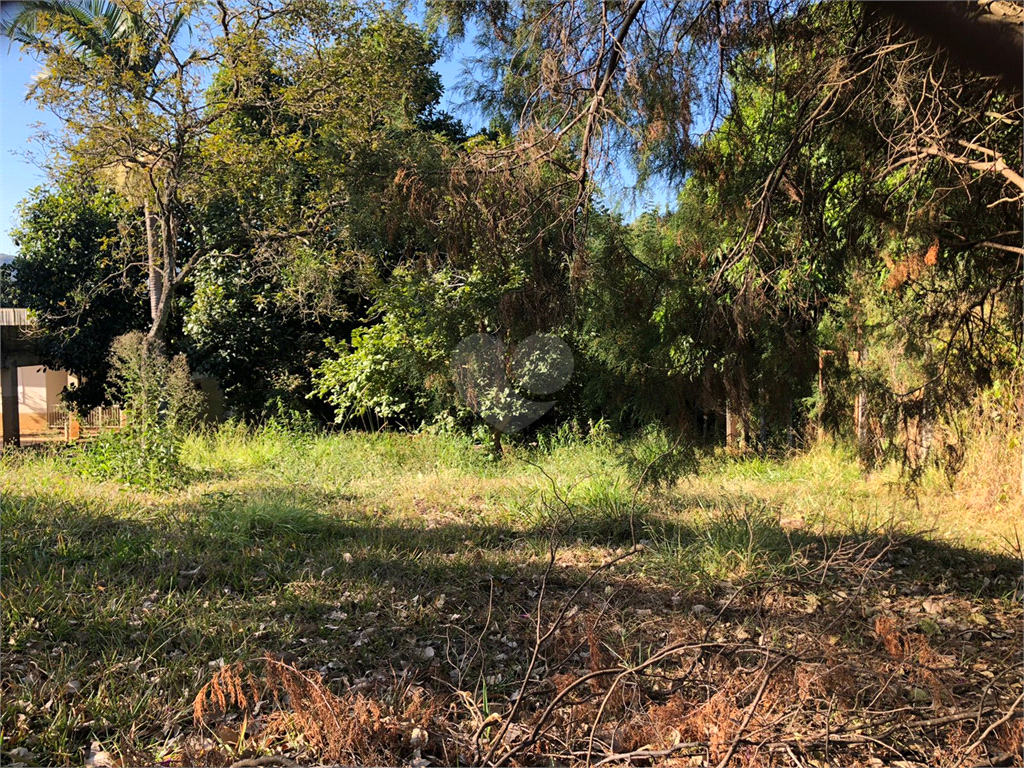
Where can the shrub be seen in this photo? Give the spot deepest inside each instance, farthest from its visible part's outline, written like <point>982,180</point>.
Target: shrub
<point>160,403</point>
<point>655,458</point>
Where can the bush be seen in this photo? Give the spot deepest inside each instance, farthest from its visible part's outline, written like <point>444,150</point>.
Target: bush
<point>654,458</point>
<point>160,403</point>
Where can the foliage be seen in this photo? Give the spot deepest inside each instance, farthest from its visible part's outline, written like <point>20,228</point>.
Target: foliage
<point>835,292</point>
<point>398,368</point>
<point>126,100</point>
<point>160,403</point>
<point>75,272</point>
<point>858,251</point>
<point>239,329</point>
<point>654,458</point>
<point>305,165</point>
<point>322,122</point>
<point>847,207</point>
<point>93,30</point>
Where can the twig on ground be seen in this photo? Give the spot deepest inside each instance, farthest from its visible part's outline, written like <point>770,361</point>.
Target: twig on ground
<point>1004,719</point>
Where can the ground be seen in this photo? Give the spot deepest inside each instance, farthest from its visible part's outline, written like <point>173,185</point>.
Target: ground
<point>404,599</point>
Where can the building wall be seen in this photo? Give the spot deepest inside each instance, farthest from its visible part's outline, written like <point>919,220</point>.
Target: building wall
<point>32,399</point>
<point>38,389</point>
<point>55,383</point>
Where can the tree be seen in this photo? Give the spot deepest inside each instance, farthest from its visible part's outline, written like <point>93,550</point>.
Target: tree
<point>268,163</point>
<point>306,176</point>
<point>856,232</point>
<point>114,41</point>
<point>76,270</point>
<point>638,84</point>
<point>90,30</point>
<point>303,168</point>
<point>484,253</point>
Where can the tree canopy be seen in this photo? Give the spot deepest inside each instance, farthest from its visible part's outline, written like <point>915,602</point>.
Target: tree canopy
<point>314,230</point>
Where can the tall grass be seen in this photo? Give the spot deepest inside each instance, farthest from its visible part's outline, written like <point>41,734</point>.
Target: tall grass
<point>991,472</point>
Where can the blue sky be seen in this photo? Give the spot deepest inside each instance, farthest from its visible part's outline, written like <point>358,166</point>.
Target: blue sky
<point>17,128</point>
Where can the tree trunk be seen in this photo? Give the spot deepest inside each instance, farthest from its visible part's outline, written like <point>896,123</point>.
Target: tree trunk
<point>860,408</point>
<point>155,284</point>
<point>762,425</point>
<point>790,429</point>
<point>821,395</point>
<point>168,229</point>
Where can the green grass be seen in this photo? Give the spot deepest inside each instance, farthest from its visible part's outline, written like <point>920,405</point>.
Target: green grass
<point>354,552</point>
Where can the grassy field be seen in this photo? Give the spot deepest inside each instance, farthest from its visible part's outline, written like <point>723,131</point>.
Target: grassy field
<point>403,599</point>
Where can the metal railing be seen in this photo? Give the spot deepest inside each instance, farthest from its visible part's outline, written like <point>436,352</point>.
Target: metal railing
<point>98,418</point>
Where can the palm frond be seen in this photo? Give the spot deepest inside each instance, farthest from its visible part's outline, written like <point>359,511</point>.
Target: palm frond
<point>91,27</point>
<point>72,19</point>
<point>179,21</point>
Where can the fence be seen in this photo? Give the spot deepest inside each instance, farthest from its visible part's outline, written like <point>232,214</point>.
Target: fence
<point>98,418</point>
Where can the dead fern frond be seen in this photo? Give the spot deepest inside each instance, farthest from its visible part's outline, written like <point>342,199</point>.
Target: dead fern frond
<point>885,629</point>
<point>348,728</point>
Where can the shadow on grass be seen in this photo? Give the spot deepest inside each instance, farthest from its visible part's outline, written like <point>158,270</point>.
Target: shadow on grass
<point>126,609</point>
<point>246,541</point>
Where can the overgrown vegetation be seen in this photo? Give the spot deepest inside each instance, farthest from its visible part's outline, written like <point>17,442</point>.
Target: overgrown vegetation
<point>317,234</point>
<point>395,582</point>
<point>507,477</point>
<point>160,404</point>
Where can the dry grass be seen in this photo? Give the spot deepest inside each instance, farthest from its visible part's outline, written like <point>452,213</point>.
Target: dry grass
<point>377,600</point>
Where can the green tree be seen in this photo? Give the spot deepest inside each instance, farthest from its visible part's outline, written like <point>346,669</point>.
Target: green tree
<point>307,173</point>
<point>485,252</point>
<point>725,306</point>
<point>122,47</point>
<point>91,30</point>
<point>269,191</point>
<point>76,271</point>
